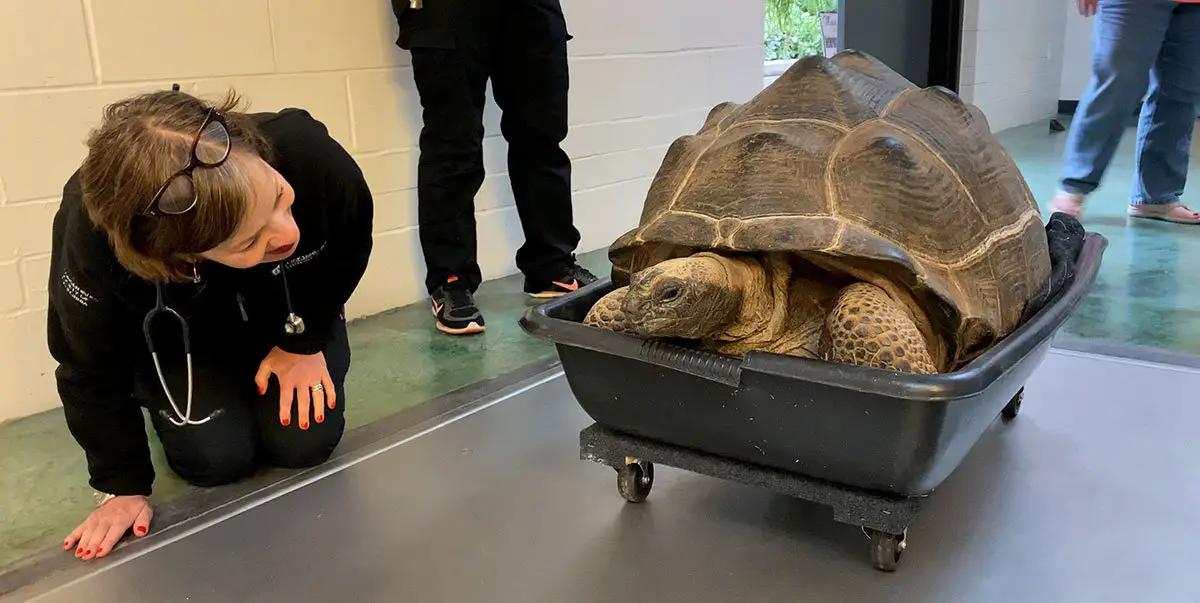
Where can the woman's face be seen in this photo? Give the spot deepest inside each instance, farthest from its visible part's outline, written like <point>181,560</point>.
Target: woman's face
<point>268,233</point>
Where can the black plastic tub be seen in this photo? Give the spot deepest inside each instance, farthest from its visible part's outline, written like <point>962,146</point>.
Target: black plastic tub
<point>900,434</point>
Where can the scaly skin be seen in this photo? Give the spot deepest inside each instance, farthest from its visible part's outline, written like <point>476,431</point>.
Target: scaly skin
<point>734,305</point>
<point>868,328</point>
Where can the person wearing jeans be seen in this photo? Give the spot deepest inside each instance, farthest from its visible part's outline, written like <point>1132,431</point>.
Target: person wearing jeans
<point>521,46</point>
<point>1138,46</point>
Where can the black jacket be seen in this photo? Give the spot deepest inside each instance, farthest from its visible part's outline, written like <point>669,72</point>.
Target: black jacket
<point>97,307</point>
<point>445,24</point>
<point>435,25</point>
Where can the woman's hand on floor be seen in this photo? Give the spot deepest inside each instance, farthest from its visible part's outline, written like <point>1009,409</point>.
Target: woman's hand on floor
<point>97,536</point>
<point>297,375</point>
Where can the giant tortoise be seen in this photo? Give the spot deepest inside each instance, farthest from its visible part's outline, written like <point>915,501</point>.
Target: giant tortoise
<point>842,213</point>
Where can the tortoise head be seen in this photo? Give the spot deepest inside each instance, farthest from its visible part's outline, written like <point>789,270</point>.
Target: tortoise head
<point>689,298</point>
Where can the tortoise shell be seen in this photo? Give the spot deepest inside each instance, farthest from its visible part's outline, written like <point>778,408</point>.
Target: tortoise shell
<point>851,166</point>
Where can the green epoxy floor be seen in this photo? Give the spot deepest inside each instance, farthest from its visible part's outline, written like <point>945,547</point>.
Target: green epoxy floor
<point>1148,292</point>
<point>399,360</point>
<point>1145,295</point>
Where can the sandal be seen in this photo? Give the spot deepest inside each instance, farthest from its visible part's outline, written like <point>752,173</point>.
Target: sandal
<point>1177,213</point>
<point>1069,203</point>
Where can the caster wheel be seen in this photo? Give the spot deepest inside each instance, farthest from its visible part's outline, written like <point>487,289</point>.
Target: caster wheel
<point>634,481</point>
<point>886,549</point>
<point>1013,409</point>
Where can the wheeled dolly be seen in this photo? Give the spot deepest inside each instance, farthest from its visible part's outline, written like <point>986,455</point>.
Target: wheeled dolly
<point>883,518</point>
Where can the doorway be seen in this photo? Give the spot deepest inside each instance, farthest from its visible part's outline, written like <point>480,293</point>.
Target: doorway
<point>920,39</point>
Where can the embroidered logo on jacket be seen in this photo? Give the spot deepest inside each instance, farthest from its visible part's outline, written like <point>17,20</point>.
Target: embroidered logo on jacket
<point>76,292</point>
<point>299,260</point>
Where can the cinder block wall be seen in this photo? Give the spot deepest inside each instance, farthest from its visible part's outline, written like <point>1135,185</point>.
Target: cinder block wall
<point>1012,59</point>
<point>1077,54</point>
<point>642,74</point>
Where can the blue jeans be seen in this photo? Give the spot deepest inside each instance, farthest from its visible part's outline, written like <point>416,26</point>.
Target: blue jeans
<point>1138,45</point>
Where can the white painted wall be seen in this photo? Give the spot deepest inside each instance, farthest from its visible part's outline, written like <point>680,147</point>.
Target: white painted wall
<point>1077,54</point>
<point>1012,59</point>
<point>642,74</point>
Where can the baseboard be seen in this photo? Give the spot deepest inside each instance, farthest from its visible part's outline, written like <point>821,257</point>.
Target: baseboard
<point>1068,107</point>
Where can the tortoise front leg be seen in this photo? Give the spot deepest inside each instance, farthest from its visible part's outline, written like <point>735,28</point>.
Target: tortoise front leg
<point>608,314</point>
<point>867,327</point>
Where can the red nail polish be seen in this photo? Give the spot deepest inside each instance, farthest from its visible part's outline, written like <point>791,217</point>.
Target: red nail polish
<point>79,551</point>
<point>320,418</point>
<point>332,405</point>
<point>261,390</point>
<point>141,530</point>
<point>285,422</point>
<point>67,545</point>
<point>87,552</point>
<point>304,426</point>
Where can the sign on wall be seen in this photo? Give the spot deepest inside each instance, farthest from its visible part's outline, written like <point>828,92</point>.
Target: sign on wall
<point>829,33</point>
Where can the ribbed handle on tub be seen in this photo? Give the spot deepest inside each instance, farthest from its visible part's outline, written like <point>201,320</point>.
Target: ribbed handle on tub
<point>693,362</point>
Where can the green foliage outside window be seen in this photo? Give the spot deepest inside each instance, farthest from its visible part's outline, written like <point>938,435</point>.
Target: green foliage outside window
<point>793,28</point>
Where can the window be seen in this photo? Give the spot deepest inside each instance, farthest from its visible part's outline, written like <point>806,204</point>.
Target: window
<point>793,29</point>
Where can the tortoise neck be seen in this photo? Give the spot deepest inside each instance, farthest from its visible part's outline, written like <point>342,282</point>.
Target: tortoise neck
<point>762,285</point>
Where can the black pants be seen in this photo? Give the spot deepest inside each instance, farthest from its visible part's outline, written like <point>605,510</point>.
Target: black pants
<point>521,45</point>
<point>247,432</point>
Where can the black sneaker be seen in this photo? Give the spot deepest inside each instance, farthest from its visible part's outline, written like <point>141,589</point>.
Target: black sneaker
<point>454,307</point>
<point>575,277</point>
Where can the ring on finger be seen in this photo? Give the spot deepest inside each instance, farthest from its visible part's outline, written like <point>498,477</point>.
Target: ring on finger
<point>317,388</point>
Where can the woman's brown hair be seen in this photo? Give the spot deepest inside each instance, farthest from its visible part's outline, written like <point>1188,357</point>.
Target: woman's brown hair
<point>140,143</point>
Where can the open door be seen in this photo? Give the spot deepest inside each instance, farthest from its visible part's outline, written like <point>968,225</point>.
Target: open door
<point>920,39</point>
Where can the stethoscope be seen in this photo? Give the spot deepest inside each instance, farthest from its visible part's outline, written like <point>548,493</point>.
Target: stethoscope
<point>293,325</point>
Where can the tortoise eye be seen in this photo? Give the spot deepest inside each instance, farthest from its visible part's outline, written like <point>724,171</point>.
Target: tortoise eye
<point>668,294</point>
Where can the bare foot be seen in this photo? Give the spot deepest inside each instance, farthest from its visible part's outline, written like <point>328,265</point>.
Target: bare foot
<point>1069,203</point>
<point>1167,212</point>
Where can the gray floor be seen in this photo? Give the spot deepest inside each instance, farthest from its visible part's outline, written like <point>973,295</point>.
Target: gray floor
<point>1090,495</point>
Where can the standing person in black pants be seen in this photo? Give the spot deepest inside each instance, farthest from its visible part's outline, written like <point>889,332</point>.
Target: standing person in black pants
<point>521,45</point>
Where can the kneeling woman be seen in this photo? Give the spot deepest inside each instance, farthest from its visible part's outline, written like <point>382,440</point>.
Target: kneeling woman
<point>201,261</point>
